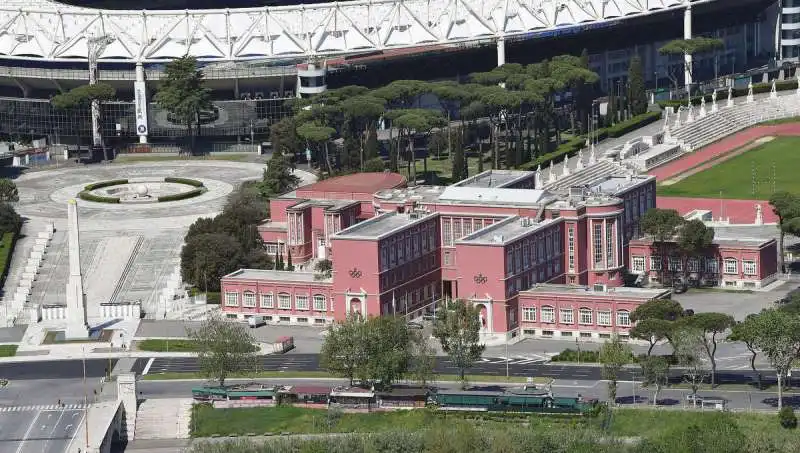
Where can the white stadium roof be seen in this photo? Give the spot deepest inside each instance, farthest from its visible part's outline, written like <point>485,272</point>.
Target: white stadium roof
<point>41,29</point>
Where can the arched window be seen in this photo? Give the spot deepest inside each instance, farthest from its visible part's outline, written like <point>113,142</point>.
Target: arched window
<point>284,301</point>
<point>319,302</point>
<point>585,316</point>
<point>623,318</point>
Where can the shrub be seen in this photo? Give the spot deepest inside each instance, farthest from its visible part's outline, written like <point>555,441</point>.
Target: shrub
<point>787,418</point>
<point>620,129</point>
<point>86,195</point>
<point>101,184</point>
<point>187,181</point>
<point>572,355</point>
<point>182,196</point>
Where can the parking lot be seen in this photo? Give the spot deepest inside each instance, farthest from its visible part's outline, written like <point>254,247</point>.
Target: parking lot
<point>39,429</point>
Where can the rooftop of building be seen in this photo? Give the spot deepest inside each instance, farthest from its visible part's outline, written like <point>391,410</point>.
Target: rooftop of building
<point>458,195</point>
<point>495,178</point>
<point>271,275</point>
<point>363,183</point>
<point>604,177</point>
<point>731,237</point>
<point>329,205</point>
<point>382,225</point>
<point>505,231</point>
<point>600,291</point>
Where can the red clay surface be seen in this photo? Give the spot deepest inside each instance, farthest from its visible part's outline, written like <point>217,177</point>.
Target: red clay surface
<point>360,183</point>
<point>721,147</point>
<point>738,211</point>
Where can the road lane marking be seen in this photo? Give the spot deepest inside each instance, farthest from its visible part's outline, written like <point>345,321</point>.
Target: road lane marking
<point>28,433</point>
<point>53,431</point>
<point>149,364</point>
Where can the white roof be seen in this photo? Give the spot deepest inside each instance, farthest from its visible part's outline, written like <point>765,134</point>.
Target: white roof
<point>493,194</point>
<point>43,29</point>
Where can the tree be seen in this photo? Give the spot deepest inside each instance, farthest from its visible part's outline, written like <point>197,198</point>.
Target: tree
<point>10,221</point>
<point>374,165</point>
<point>694,238</point>
<point>319,136</point>
<point>289,265</point>
<point>637,93</point>
<point>458,330</point>
<point>371,146</point>
<point>655,371</point>
<point>747,333</point>
<point>689,348</point>
<point>787,207</point>
<point>278,176</point>
<point>342,353</point>
<point>661,225</point>
<point>459,172</point>
<point>779,340</point>
<point>207,257</point>
<point>283,136</point>
<point>613,355</point>
<point>655,320</point>
<point>224,349</point>
<point>424,359</point>
<point>710,325</point>
<point>324,268</point>
<point>8,191</point>
<point>82,97</point>
<point>183,94</point>
<point>684,47</point>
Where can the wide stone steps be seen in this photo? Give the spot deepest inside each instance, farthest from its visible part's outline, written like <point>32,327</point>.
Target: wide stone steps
<point>166,418</point>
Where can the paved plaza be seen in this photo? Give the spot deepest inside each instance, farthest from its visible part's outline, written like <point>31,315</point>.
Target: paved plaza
<point>128,251</point>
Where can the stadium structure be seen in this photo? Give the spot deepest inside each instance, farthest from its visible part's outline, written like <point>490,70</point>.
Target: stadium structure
<point>255,58</point>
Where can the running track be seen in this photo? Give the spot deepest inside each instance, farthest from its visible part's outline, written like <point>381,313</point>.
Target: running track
<point>739,211</point>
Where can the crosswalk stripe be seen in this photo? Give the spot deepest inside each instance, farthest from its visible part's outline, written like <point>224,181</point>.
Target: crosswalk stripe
<point>43,407</point>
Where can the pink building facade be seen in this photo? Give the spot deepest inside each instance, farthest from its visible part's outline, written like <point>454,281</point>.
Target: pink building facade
<point>743,263</point>
<point>493,240</point>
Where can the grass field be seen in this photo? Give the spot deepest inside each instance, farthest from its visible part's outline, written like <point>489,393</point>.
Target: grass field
<point>163,345</point>
<point>733,178</point>
<point>8,350</point>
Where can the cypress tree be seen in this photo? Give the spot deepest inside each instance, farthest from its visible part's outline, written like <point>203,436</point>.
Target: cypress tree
<point>371,145</point>
<point>637,96</point>
<point>289,266</point>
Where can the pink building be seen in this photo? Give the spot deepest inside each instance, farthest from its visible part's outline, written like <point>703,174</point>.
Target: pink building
<point>581,312</point>
<point>492,239</point>
<point>735,263</point>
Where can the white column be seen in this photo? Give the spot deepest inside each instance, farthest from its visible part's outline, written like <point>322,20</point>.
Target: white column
<point>140,101</point>
<point>501,51</point>
<point>687,34</point>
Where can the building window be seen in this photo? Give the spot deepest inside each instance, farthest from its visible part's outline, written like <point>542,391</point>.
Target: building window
<point>712,266</point>
<point>301,302</point>
<point>267,301</point>
<point>232,299</point>
<point>319,302</point>
<point>284,301</point>
<point>526,262</point>
<point>529,314</point>
<point>749,267</point>
<point>604,318</point>
<point>637,263</point>
<point>566,316</point>
<point>271,248</point>
<point>610,245</point>
<point>548,315</point>
<point>586,316</point>
<point>623,318</point>
<point>249,299</point>
<point>448,259</point>
<point>447,236</point>
<point>730,266</point>
<point>693,264</point>
<point>675,264</point>
<point>571,245</point>
<point>597,243</point>
<point>655,263</point>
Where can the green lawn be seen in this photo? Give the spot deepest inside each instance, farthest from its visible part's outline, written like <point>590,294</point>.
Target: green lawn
<point>161,345</point>
<point>733,178</point>
<point>8,350</point>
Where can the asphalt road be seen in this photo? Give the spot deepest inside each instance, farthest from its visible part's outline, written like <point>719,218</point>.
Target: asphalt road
<point>55,369</point>
<point>38,431</point>
<point>486,367</point>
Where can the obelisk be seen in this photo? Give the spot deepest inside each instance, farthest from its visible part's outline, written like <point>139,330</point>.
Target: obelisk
<point>77,327</point>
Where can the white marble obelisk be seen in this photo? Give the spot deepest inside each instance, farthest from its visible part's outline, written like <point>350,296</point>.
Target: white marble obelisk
<point>77,327</point>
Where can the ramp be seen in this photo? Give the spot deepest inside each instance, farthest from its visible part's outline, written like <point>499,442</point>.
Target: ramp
<point>166,418</point>
<point>111,258</point>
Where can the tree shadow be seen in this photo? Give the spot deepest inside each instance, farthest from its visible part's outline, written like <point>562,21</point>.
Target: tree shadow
<point>793,401</point>
<point>638,399</point>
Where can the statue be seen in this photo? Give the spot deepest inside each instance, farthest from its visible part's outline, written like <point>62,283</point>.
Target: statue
<point>702,106</point>
<point>730,96</point>
<point>750,92</point>
<point>759,215</point>
<point>773,92</point>
<point>714,101</point>
<point>797,76</point>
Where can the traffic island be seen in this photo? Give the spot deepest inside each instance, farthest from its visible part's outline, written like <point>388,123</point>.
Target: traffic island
<point>142,190</point>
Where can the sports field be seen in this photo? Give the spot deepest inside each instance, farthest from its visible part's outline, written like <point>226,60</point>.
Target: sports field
<point>733,178</point>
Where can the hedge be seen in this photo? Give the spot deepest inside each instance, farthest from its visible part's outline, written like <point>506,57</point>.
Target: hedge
<point>187,181</point>
<point>88,196</point>
<point>571,147</point>
<point>7,244</point>
<point>101,184</point>
<point>722,94</point>
<point>182,196</point>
